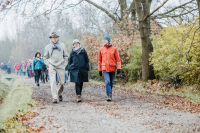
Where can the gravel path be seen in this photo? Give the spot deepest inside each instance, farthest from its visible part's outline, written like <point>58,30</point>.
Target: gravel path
<point>127,113</point>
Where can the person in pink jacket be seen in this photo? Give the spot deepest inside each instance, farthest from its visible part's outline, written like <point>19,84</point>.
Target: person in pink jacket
<point>17,68</point>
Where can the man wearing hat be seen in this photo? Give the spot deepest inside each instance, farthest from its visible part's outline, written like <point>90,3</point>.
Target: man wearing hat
<point>107,59</point>
<point>56,58</point>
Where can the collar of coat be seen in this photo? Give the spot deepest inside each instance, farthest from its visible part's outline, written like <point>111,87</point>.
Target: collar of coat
<point>107,46</point>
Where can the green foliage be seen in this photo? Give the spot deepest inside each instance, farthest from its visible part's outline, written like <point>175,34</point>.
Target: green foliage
<point>176,53</point>
<point>134,66</point>
<point>94,73</point>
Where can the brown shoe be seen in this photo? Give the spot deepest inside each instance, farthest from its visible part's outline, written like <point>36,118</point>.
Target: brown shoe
<point>55,101</point>
<point>79,98</point>
<point>60,98</point>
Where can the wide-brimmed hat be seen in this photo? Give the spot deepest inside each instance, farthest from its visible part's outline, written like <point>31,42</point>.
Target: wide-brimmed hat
<point>54,35</point>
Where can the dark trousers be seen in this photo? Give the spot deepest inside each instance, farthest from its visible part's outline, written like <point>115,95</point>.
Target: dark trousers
<point>79,87</point>
<point>9,70</point>
<point>44,74</point>
<point>37,75</point>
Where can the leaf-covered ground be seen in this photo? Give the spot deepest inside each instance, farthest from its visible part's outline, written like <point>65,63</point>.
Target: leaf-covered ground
<point>130,111</point>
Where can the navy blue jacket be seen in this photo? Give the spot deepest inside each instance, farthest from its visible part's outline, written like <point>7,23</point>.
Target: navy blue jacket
<point>78,66</point>
<point>4,67</point>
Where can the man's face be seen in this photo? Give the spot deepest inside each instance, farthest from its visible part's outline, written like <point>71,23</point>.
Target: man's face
<point>106,42</point>
<point>54,40</point>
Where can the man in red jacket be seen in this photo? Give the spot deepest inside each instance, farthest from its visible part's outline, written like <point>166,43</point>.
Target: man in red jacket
<point>107,60</point>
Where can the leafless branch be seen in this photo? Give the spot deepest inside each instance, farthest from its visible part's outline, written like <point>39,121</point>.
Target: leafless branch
<point>148,15</point>
<point>163,14</point>
<point>103,9</point>
<point>174,16</point>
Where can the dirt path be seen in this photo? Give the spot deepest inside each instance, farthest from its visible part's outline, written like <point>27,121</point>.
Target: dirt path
<point>126,113</point>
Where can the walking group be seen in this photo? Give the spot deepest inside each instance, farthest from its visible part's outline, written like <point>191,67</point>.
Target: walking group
<point>56,58</point>
<point>30,69</point>
<point>56,64</point>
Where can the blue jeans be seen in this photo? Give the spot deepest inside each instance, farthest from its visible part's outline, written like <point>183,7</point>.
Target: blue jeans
<point>28,72</point>
<point>48,75</point>
<point>109,77</point>
<point>66,76</point>
<point>17,71</point>
<point>20,71</point>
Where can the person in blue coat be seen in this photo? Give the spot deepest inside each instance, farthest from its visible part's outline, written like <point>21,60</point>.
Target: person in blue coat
<point>37,67</point>
<point>5,67</point>
<point>1,66</point>
<point>78,67</point>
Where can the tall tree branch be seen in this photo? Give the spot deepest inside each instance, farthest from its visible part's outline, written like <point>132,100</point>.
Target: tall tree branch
<point>103,9</point>
<point>173,9</point>
<point>148,15</point>
<point>132,10</point>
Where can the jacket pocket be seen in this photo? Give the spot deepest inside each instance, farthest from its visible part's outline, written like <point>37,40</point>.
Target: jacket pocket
<point>112,64</point>
<point>112,67</point>
<point>103,66</point>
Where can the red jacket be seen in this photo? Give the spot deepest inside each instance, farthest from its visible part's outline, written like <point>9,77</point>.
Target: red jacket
<point>107,59</point>
<point>17,67</point>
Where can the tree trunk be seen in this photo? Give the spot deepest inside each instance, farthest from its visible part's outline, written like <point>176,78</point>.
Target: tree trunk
<point>147,48</point>
<point>198,2</point>
<point>123,7</point>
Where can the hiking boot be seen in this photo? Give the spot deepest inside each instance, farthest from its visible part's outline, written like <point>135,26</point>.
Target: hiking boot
<point>109,98</point>
<point>60,98</point>
<point>55,101</point>
<point>79,98</point>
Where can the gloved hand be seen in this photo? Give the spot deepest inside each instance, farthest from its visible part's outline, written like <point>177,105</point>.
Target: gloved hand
<point>118,71</point>
<point>100,73</point>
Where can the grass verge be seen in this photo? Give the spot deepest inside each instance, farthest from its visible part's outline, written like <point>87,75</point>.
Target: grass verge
<point>5,88</point>
<point>17,102</point>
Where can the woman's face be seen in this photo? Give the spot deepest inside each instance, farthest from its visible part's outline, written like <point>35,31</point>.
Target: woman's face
<point>76,45</point>
<point>38,55</point>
